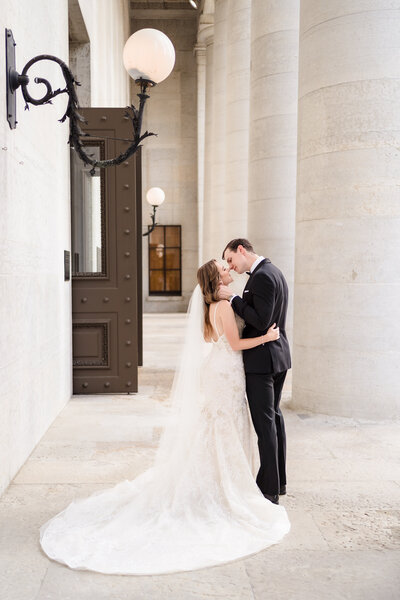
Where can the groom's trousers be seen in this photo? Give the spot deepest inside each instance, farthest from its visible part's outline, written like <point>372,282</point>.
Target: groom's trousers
<point>264,394</point>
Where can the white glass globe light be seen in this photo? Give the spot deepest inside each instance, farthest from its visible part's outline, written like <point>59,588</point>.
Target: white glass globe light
<point>149,54</point>
<point>155,196</point>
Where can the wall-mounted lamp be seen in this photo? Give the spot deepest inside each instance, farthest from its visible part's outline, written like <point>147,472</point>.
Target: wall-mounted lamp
<point>149,58</point>
<point>155,197</point>
<point>194,3</point>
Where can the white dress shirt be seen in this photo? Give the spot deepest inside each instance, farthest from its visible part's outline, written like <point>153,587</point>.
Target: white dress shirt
<point>253,266</point>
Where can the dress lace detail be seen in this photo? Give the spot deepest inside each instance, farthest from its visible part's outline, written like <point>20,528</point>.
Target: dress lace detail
<point>199,508</point>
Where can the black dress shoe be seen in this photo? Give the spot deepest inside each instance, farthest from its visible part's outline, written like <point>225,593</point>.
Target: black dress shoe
<point>274,499</point>
<point>282,490</point>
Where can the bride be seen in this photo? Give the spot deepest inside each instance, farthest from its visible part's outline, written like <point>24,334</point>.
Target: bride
<point>199,505</point>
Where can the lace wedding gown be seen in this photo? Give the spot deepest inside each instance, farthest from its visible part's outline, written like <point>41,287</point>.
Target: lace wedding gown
<point>198,506</point>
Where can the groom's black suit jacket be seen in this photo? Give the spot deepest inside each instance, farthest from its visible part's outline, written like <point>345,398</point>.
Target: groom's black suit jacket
<point>264,302</point>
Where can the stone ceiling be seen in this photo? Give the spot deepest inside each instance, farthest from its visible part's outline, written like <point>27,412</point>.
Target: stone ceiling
<point>162,9</point>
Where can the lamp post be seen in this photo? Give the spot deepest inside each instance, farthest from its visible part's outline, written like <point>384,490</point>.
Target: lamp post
<point>155,197</point>
<point>149,58</point>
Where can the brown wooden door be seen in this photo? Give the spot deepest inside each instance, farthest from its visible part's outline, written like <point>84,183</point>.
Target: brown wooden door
<point>106,261</point>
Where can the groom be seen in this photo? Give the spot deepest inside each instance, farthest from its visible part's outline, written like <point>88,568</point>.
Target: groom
<point>264,302</point>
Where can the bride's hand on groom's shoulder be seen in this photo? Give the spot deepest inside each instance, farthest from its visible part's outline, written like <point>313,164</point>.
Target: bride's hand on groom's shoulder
<point>224,293</point>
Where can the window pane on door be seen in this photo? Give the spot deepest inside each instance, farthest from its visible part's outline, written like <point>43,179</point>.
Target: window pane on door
<point>165,260</point>
<point>172,258</point>
<point>173,236</point>
<point>157,281</point>
<point>156,237</point>
<point>172,281</point>
<point>87,214</point>
<point>157,257</point>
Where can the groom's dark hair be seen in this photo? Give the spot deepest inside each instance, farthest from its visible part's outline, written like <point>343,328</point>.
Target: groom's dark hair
<point>233,245</point>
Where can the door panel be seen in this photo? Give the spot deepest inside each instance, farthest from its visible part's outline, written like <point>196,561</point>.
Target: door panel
<point>139,255</point>
<point>106,283</point>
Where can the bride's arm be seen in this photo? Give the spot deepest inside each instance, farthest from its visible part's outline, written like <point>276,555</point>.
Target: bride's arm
<point>227,317</point>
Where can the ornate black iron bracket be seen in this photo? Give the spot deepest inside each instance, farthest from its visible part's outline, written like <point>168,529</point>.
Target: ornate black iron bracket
<point>16,80</point>
<point>153,221</point>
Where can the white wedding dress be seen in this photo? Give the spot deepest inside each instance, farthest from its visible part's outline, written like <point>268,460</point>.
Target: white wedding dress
<point>199,505</point>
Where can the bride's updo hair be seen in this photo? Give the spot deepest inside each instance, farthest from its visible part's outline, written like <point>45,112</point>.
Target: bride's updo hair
<point>208,278</point>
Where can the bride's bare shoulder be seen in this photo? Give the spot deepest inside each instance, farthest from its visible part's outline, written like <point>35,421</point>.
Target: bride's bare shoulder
<point>220,308</point>
<point>220,303</point>
<point>225,306</point>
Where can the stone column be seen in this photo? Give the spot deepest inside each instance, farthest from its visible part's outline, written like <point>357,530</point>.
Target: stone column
<point>200,51</point>
<point>237,118</point>
<point>273,134</point>
<point>208,148</point>
<point>347,308</point>
<point>215,236</point>
<point>204,55</point>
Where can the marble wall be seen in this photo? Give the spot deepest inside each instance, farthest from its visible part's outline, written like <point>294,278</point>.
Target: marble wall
<point>35,308</point>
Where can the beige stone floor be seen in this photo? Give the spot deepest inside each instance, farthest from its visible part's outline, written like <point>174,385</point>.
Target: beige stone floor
<point>343,501</point>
